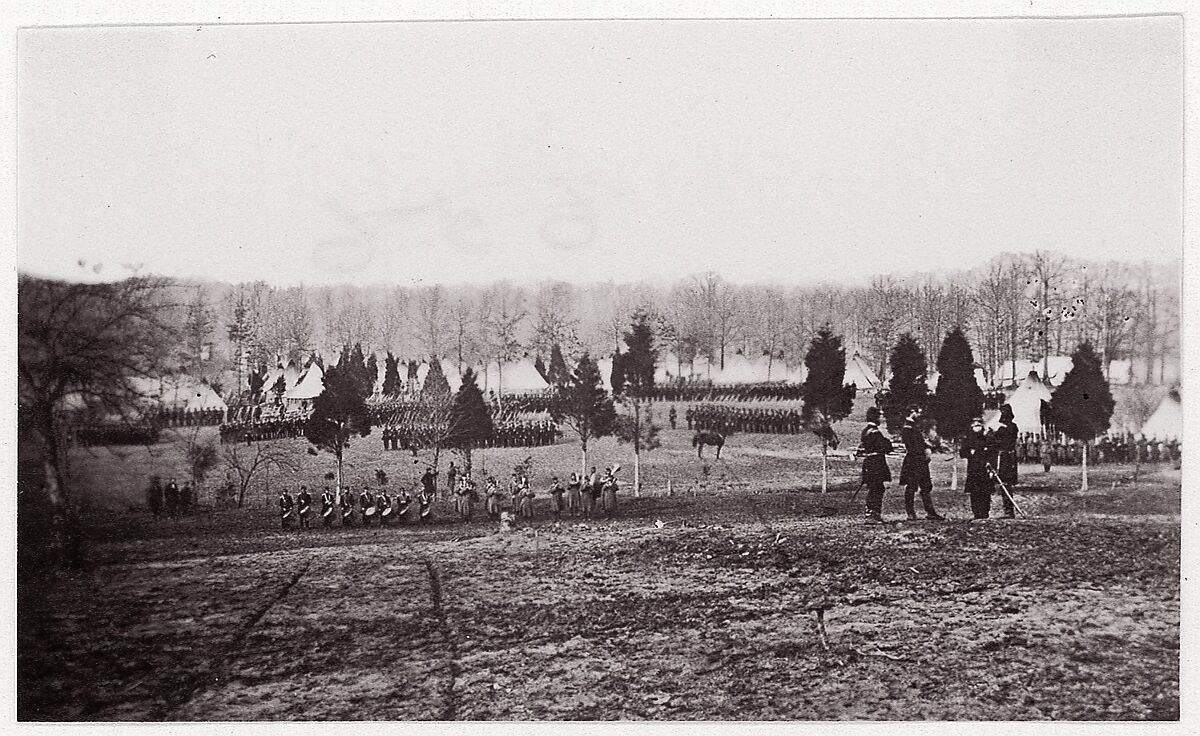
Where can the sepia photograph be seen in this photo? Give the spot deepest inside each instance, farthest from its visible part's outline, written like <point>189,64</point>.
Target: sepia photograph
<point>610,370</point>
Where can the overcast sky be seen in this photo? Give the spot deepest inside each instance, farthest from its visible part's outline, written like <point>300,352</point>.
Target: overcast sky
<point>790,152</point>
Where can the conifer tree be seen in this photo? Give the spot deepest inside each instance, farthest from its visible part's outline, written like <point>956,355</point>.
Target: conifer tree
<point>339,413</point>
<point>470,424</point>
<point>391,375</point>
<point>584,406</point>
<point>1082,406</point>
<point>617,377</point>
<point>371,373</point>
<point>827,398</point>
<point>957,399</point>
<point>557,373</point>
<point>435,380</point>
<point>637,369</point>
<point>907,385</point>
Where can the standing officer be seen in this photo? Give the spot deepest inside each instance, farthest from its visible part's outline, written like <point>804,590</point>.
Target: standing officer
<point>285,508</point>
<point>671,416</point>
<point>914,472</point>
<point>171,496</point>
<point>875,472</point>
<point>1004,441</point>
<point>303,506</point>
<point>327,504</point>
<point>975,449</point>
<point>154,496</point>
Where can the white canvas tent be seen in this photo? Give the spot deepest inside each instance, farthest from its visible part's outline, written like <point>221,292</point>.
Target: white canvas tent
<point>1058,367</point>
<point>519,376</point>
<point>859,373</point>
<point>309,385</point>
<point>1166,423</point>
<point>1026,402</point>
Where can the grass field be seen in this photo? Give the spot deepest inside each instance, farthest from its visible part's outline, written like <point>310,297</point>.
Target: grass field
<point>1071,613</point>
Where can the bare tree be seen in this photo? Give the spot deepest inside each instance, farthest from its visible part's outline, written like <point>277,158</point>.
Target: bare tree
<point>247,461</point>
<point>503,313</point>
<point>429,319</point>
<point>91,342</point>
<point>555,320</point>
<point>465,326</point>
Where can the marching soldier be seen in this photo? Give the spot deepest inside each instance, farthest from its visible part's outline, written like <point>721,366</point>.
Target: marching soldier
<point>608,497</point>
<point>403,501</point>
<point>347,502</point>
<point>426,503</point>
<point>286,506</point>
<point>327,506</point>
<point>303,506</point>
<point>384,505</point>
<point>492,499</point>
<point>574,502</point>
<point>671,416</point>
<point>1004,440</point>
<point>914,472</point>
<point>366,506</point>
<point>975,449</point>
<point>875,472</point>
<point>557,504</point>
<point>428,483</point>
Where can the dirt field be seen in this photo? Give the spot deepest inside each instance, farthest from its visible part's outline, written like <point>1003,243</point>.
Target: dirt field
<point>1072,613</point>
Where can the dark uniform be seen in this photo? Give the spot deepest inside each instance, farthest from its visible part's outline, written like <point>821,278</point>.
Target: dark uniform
<point>347,503</point>
<point>366,506</point>
<point>327,504</point>
<point>914,472</point>
<point>285,508</point>
<point>303,507</point>
<point>154,497</point>
<point>171,496</point>
<point>875,472</point>
<point>1004,441</point>
<point>978,453</point>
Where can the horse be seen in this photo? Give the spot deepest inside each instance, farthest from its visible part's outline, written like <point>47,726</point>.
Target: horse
<point>707,437</point>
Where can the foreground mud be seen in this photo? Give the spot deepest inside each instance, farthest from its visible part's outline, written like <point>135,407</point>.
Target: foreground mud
<point>1070,614</point>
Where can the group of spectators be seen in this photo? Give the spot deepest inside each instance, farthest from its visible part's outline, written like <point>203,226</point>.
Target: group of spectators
<point>169,500</point>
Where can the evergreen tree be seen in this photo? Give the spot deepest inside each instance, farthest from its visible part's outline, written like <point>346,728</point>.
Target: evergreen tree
<point>279,389</point>
<point>617,376</point>
<point>540,366</point>
<point>358,369</point>
<point>435,380</point>
<point>641,357</point>
<point>391,375</point>
<point>1082,406</point>
<point>557,373</point>
<point>470,423</point>
<point>827,398</point>
<point>371,373</point>
<point>957,399</point>
<point>258,377</point>
<point>339,413</point>
<point>584,406</point>
<point>907,385</point>
<point>637,369</point>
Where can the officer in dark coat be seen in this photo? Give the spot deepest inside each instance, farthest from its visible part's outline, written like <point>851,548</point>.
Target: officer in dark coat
<point>171,497</point>
<point>154,496</point>
<point>1004,442</point>
<point>874,446</point>
<point>347,504</point>
<point>914,472</point>
<point>978,453</point>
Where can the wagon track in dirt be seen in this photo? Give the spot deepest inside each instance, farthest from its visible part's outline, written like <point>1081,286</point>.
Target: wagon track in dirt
<point>449,693</point>
<point>219,665</point>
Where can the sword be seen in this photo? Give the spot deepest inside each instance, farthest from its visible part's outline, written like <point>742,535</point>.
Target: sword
<point>996,476</point>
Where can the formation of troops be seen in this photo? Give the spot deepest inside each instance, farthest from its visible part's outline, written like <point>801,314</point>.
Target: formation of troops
<point>580,497</point>
<point>727,419</point>
<point>1122,448</point>
<point>90,435</point>
<point>179,417</point>
<point>260,430</point>
<point>684,390</point>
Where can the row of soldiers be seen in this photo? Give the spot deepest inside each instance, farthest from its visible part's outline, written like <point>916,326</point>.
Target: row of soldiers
<point>114,433</point>
<point>179,417</point>
<point>991,463</point>
<point>693,391</point>
<point>347,509</point>
<point>263,429</point>
<point>726,419</point>
<point>507,434</point>
<point>1115,449</point>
